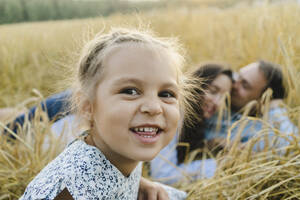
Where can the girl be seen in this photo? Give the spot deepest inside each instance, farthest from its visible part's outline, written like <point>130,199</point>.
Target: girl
<point>217,81</point>
<point>129,91</point>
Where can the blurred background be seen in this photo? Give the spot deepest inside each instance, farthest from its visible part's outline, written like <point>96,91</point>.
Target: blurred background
<point>12,11</point>
<point>40,39</point>
<point>40,42</point>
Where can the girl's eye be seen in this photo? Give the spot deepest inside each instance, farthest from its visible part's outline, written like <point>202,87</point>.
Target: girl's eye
<point>167,94</point>
<point>129,91</point>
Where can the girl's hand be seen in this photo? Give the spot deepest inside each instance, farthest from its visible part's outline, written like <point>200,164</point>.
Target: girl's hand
<point>149,190</point>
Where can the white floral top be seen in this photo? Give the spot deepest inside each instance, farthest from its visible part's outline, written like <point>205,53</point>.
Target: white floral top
<point>87,174</point>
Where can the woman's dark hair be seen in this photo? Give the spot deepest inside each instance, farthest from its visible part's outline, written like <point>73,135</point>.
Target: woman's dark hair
<point>274,78</point>
<point>193,134</point>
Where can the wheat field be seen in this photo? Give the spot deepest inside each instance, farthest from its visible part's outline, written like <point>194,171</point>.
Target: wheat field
<point>35,57</point>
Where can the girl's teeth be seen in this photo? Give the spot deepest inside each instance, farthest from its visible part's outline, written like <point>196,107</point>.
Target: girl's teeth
<point>147,136</point>
<point>146,129</point>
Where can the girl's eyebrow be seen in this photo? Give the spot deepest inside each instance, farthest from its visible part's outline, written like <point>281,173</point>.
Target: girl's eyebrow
<point>137,81</point>
<point>128,80</point>
<point>171,86</point>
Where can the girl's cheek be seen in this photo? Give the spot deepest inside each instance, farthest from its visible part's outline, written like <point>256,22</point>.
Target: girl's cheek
<point>174,114</point>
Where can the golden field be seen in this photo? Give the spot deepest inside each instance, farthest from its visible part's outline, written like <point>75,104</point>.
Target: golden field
<point>33,54</point>
<point>39,55</point>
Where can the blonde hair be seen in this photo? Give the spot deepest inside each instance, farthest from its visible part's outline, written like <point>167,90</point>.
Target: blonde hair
<point>91,63</point>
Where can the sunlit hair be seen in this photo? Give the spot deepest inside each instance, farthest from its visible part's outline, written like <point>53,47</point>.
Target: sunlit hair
<point>94,54</point>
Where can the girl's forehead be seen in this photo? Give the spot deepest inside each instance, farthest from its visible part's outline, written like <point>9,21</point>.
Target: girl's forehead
<point>141,62</point>
<point>153,49</point>
<point>144,56</point>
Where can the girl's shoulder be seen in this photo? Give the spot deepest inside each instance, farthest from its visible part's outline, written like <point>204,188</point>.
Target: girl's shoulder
<point>64,171</point>
<point>85,172</point>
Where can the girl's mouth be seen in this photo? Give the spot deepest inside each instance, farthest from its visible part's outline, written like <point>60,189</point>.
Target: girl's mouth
<point>146,134</point>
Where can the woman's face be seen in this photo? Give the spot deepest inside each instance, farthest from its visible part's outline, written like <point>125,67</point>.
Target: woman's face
<point>213,96</point>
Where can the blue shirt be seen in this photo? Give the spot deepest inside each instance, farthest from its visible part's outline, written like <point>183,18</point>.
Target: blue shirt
<point>245,128</point>
<point>164,167</point>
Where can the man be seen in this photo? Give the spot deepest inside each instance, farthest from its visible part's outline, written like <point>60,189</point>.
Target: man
<point>248,89</point>
<point>252,82</point>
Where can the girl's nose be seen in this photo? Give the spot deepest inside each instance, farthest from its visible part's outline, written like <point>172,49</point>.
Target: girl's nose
<point>151,107</point>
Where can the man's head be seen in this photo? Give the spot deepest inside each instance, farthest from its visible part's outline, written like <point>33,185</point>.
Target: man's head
<point>253,80</point>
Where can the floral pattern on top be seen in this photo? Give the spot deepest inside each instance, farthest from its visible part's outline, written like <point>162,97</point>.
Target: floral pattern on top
<point>86,173</point>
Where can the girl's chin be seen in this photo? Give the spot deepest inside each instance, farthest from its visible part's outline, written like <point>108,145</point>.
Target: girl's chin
<point>146,158</point>
<point>147,155</point>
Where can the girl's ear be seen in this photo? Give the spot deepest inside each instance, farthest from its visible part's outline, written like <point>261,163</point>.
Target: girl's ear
<point>87,110</point>
<point>85,106</point>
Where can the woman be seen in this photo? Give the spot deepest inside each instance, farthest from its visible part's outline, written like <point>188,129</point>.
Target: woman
<point>170,166</point>
<point>217,82</point>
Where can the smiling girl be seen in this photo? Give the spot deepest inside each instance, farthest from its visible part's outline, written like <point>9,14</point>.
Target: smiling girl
<point>129,90</point>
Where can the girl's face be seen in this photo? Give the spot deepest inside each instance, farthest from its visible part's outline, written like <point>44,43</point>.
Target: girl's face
<point>213,96</point>
<point>136,108</point>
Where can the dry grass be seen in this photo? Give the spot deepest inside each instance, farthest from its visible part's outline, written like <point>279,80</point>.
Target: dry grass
<point>244,174</point>
<point>21,159</point>
<point>33,55</point>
